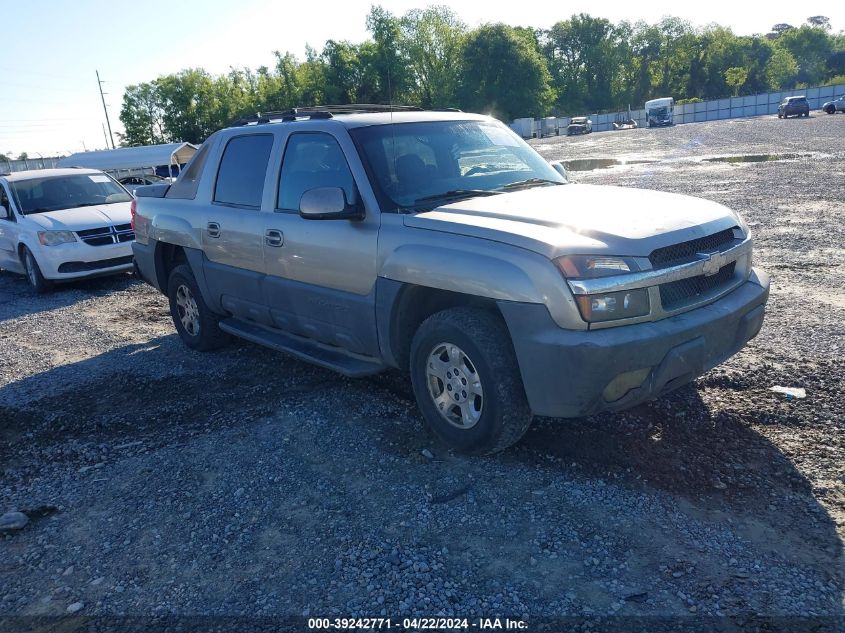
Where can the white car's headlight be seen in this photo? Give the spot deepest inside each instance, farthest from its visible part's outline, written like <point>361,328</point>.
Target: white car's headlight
<point>54,238</point>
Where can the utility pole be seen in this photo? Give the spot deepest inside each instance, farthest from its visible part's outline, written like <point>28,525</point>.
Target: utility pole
<point>100,84</point>
<point>105,136</point>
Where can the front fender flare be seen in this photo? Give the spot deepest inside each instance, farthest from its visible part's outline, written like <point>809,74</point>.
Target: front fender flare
<point>506,274</point>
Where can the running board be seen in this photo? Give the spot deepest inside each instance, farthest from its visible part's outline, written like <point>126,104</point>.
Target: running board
<point>304,349</point>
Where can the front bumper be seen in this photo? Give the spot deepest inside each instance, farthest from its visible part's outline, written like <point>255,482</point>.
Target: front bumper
<point>78,260</point>
<point>566,372</point>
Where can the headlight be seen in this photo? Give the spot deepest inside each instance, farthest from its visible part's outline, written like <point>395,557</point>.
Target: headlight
<point>592,266</point>
<point>53,238</point>
<point>613,305</point>
<point>608,306</point>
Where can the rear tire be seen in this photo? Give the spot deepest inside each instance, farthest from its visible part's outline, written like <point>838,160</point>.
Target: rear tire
<point>197,325</point>
<point>478,405</point>
<point>33,273</point>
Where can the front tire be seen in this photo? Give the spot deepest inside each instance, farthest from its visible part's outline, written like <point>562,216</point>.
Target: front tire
<point>467,382</point>
<point>830,110</point>
<point>197,325</point>
<point>33,273</point>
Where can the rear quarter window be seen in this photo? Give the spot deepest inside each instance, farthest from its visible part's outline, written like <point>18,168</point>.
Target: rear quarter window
<point>240,177</point>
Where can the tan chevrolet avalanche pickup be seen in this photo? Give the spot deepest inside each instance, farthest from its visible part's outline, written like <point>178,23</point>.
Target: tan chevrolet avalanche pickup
<point>440,243</point>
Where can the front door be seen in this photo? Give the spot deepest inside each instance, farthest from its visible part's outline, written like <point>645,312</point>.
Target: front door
<point>9,259</point>
<point>233,227</point>
<point>321,274</point>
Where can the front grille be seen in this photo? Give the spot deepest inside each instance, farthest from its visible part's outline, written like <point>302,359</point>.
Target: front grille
<point>676,294</point>
<point>105,235</point>
<point>82,267</point>
<point>686,251</point>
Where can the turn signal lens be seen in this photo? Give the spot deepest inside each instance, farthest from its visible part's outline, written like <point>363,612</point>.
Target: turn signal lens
<point>593,266</point>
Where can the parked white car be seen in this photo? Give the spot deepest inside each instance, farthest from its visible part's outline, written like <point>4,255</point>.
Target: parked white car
<point>63,224</point>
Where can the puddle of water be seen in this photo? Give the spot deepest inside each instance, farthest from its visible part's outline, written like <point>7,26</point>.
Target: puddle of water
<point>755,158</point>
<point>589,164</point>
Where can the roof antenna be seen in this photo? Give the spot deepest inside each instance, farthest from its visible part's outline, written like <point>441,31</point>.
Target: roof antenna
<point>392,129</point>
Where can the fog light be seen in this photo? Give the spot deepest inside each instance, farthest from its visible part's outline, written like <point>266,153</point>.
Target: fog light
<point>614,305</point>
<point>623,383</point>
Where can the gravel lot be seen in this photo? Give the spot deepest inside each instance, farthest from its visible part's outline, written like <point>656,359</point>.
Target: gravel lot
<point>160,481</point>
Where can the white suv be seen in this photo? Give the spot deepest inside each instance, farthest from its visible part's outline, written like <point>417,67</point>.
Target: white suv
<point>63,224</point>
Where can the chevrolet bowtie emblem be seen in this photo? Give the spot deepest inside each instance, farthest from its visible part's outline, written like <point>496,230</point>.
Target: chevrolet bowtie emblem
<point>713,262</point>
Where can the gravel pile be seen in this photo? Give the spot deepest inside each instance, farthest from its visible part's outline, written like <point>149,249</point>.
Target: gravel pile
<point>159,481</point>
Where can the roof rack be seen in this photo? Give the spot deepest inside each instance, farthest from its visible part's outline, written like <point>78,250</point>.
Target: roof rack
<point>321,112</point>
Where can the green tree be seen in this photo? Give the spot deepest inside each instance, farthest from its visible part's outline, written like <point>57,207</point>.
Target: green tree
<point>23,156</point>
<point>386,64</point>
<point>190,104</point>
<point>432,41</point>
<point>343,72</point>
<point>810,46</point>
<point>735,78</point>
<point>583,54</point>
<point>781,69</point>
<point>504,73</point>
<point>311,77</point>
<point>142,116</point>
<point>819,21</point>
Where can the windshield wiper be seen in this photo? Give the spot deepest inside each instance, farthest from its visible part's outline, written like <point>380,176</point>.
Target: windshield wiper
<point>38,210</point>
<point>530,182</point>
<point>458,194</point>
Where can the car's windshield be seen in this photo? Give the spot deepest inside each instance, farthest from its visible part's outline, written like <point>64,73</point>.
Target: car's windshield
<point>50,193</point>
<point>417,166</point>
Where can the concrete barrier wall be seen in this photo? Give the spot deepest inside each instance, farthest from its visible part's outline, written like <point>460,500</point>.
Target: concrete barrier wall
<point>712,110</point>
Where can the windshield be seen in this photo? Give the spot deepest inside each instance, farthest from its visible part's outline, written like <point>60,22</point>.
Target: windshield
<point>51,193</point>
<point>418,166</point>
<point>662,111</point>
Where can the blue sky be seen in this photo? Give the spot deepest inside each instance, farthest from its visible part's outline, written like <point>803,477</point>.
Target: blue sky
<point>49,103</point>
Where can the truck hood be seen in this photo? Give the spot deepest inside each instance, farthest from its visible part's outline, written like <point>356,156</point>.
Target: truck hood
<point>585,219</point>
<point>83,218</point>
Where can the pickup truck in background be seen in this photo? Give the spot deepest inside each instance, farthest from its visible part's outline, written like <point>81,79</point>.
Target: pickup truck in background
<point>441,244</point>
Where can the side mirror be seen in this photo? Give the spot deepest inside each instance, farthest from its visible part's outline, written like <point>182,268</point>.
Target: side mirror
<point>559,168</point>
<point>328,203</point>
<point>4,212</point>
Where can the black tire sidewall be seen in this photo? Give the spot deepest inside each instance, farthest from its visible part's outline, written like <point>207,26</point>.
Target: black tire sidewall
<point>41,284</point>
<point>210,336</point>
<point>502,398</point>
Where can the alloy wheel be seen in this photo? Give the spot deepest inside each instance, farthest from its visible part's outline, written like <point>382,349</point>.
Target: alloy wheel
<point>454,385</point>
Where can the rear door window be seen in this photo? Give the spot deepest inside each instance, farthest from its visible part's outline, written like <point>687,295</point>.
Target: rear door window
<point>240,177</point>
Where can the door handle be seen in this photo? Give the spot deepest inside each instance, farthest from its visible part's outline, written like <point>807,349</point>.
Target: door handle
<point>274,237</point>
<point>213,229</point>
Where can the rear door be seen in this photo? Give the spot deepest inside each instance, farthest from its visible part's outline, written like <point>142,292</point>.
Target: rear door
<point>321,273</point>
<point>233,226</point>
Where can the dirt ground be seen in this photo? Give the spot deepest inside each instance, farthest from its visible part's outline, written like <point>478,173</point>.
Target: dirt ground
<point>161,481</point>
